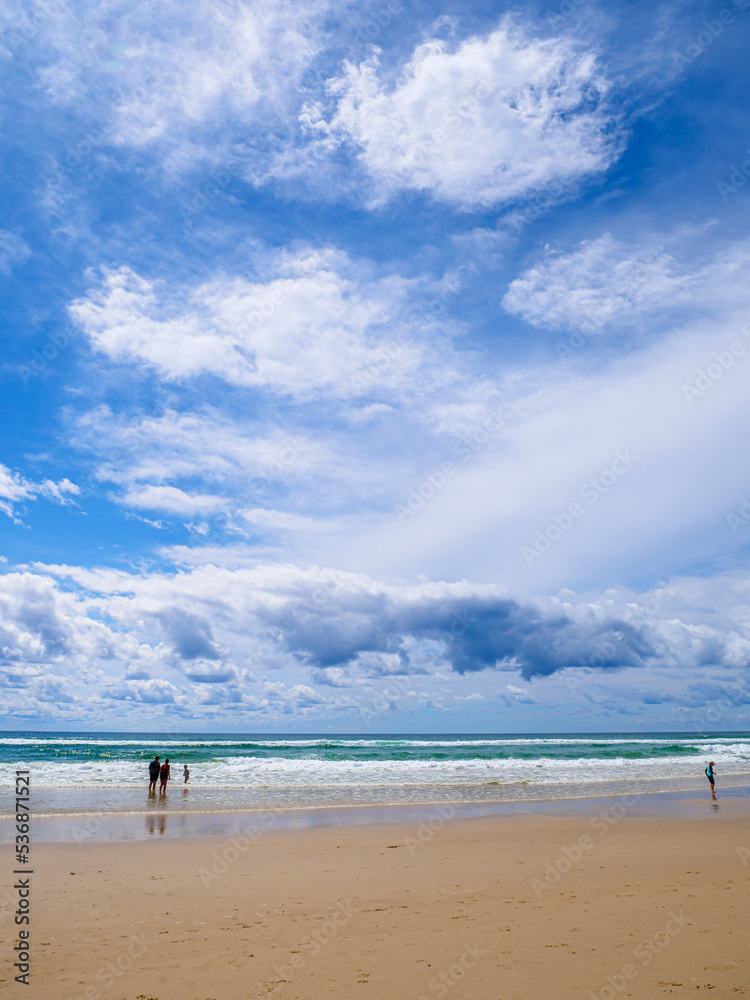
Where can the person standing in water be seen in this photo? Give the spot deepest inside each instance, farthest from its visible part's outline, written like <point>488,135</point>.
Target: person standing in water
<point>153,773</point>
<point>164,777</point>
<point>711,777</point>
<point>186,773</point>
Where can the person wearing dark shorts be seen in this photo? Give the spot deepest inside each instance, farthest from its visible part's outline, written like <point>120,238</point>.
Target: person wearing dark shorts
<point>153,775</point>
<point>711,777</point>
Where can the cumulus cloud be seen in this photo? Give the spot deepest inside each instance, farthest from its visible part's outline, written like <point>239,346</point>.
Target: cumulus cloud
<point>479,631</point>
<point>495,119</point>
<point>336,619</point>
<point>520,695</point>
<point>319,325</point>
<point>607,283</point>
<point>345,634</point>
<point>332,677</point>
<point>189,634</point>
<point>490,120</point>
<point>15,489</point>
<point>153,691</point>
<point>40,623</point>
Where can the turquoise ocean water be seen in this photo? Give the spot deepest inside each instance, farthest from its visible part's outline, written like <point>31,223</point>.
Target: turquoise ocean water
<point>107,772</point>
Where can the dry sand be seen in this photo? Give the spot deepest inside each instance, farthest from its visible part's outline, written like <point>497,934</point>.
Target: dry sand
<point>643,908</point>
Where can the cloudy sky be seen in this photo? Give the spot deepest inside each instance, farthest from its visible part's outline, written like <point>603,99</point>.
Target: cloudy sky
<point>375,367</point>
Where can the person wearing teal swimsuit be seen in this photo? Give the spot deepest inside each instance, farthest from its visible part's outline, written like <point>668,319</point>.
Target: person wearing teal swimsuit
<point>711,777</point>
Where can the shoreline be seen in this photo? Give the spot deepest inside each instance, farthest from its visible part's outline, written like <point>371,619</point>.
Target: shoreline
<point>162,821</point>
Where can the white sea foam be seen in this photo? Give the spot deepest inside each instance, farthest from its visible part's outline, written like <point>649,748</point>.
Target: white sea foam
<point>278,772</point>
<point>382,742</point>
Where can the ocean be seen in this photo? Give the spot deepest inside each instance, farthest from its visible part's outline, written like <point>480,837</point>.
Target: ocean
<point>95,773</point>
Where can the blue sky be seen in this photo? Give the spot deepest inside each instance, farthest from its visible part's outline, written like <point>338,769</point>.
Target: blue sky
<point>375,367</point>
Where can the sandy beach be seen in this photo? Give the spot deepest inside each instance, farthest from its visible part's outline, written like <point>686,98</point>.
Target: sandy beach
<point>504,908</point>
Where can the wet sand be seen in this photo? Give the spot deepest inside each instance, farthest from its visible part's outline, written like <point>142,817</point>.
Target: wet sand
<point>607,903</point>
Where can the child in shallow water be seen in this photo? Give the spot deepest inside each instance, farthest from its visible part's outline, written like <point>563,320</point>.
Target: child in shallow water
<point>186,773</point>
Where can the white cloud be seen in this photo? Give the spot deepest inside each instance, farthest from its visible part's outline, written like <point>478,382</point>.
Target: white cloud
<point>173,501</point>
<point>226,62</point>
<point>103,631</point>
<point>180,69</point>
<point>332,677</point>
<point>40,623</point>
<point>13,250</point>
<point>494,120</point>
<point>319,326</point>
<point>57,492</point>
<point>201,464</point>
<point>174,446</point>
<point>520,695</point>
<point>607,283</point>
<point>154,691</point>
<point>567,429</point>
<point>266,518</point>
<point>14,490</point>
<point>524,447</point>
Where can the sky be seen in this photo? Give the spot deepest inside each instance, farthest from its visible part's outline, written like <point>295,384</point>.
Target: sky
<point>375,367</point>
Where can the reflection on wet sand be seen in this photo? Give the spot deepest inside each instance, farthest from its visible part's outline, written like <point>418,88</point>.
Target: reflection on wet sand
<point>156,822</point>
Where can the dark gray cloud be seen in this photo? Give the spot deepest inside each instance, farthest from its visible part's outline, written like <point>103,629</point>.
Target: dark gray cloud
<point>716,693</point>
<point>332,632</point>
<point>219,676</point>
<point>476,633</point>
<point>17,677</point>
<point>190,635</point>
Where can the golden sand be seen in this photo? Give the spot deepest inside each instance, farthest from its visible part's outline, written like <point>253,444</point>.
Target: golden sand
<point>520,907</point>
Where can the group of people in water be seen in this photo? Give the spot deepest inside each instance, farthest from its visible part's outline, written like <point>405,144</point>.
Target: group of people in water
<point>162,773</point>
